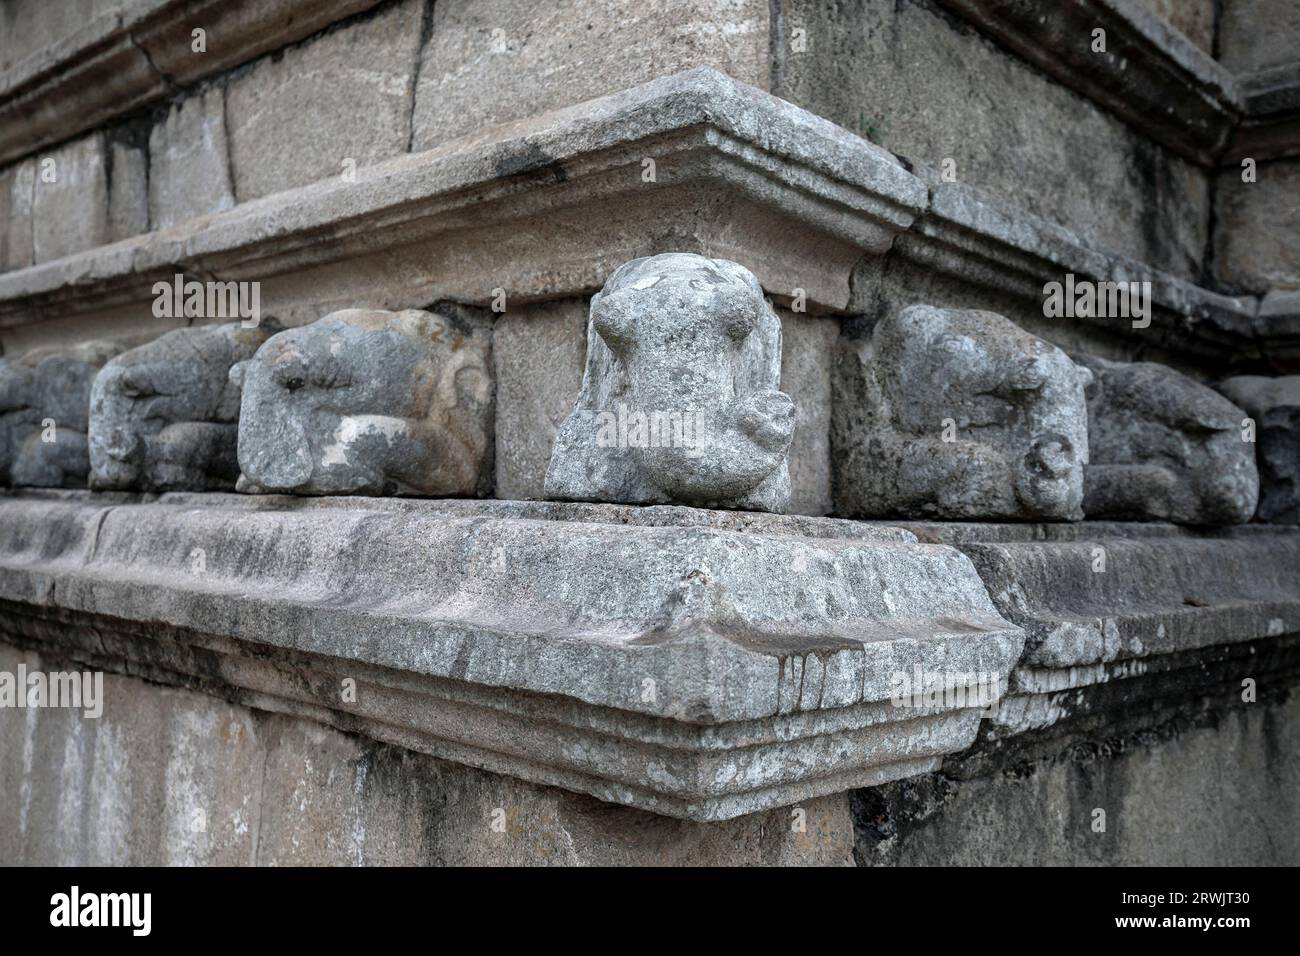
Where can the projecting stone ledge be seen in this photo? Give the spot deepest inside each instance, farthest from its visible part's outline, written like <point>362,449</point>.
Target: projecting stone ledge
<point>1129,619</point>
<point>698,664</point>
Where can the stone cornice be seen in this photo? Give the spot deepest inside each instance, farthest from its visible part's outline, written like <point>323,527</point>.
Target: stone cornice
<point>142,52</point>
<point>977,239</point>
<point>698,664</point>
<point>1150,76</point>
<point>1169,604</point>
<point>1271,126</point>
<point>737,173</point>
<point>546,207</point>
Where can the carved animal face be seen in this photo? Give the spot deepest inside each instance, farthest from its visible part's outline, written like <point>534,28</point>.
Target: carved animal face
<point>1167,447</point>
<point>46,395</point>
<point>695,336</point>
<point>162,416</point>
<point>366,402</point>
<point>998,386</point>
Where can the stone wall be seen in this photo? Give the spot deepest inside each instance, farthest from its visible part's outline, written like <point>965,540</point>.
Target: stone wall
<point>172,777</point>
<point>825,233</point>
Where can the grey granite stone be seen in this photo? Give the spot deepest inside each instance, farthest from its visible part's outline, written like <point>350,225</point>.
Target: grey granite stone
<point>680,399</point>
<point>44,412</point>
<point>1274,403</point>
<point>538,352</point>
<point>1120,615</point>
<point>70,201</point>
<point>491,61</point>
<point>17,186</point>
<point>697,664</point>
<point>284,132</point>
<point>919,81</point>
<point>164,416</point>
<point>958,414</point>
<point>189,161</point>
<point>808,347</point>
<point>118,55</point>
<point>1255,35</point>
<point>368,402</point>
<point>1150,74</point>
<point>1257,239</point>
<point>462,221</point>
<point>1164,447</point>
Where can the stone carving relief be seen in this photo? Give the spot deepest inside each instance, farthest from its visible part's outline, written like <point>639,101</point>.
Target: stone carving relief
<point>164,416</point>
<point>958,414</point>
<point>44,412</point>
<point>680,399</point>
<point>368,402</point>
<point>1164,447</point>
<point>1274,404</point>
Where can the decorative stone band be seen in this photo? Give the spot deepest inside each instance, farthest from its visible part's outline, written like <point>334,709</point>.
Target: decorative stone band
<point>738,174</point>
<point>1149,75</point>
<point>1271,127</point>
<point>140,52</point>
<point>694,663</point>
<point>985,243</point>
<point>1148,605</point>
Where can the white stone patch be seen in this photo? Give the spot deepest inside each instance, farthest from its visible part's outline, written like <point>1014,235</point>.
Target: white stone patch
<point>353,427</point>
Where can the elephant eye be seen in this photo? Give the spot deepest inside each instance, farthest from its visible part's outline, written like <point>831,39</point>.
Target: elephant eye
<point>330,373</point>
<point>289,371</point>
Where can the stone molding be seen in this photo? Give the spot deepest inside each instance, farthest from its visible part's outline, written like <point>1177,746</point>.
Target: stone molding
<point>1170,603</point>
<point>740,175</point>
<point>1151,76</point>
<point>139,53</point>
<point>697,664</point>
<point>970,236</point>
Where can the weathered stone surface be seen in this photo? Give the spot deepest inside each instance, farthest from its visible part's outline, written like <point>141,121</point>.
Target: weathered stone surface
<point>164,416</point>
<point>1274,403</point>
<point>808,346</point>
<point>680,399</point>
<point>919,82</point>
<point>189,170</point>
<point>490,61</point>
<point>44,406</point>
<point>538,353</point>
<point>277,112</point>
<point>110,57</point>
<point>1255,35</point>
<point>1164,447</point>
<point>1148,74</point>
<point>1194,19</point>
<point>17,189</point>
<point>87,193</point>
<point>368,402</point>
<point>28,27</point>
<point>1257,239</point>
<point>162,777</point>
<point>958,414</point>
<point>972,250</point>
<point>698,664</point>
<point>1122,616</point>
<point>539,349</point>
<point>1173,796</point>
<point>127,172</point>
<point>70,204</point>
<point>171,776</point>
